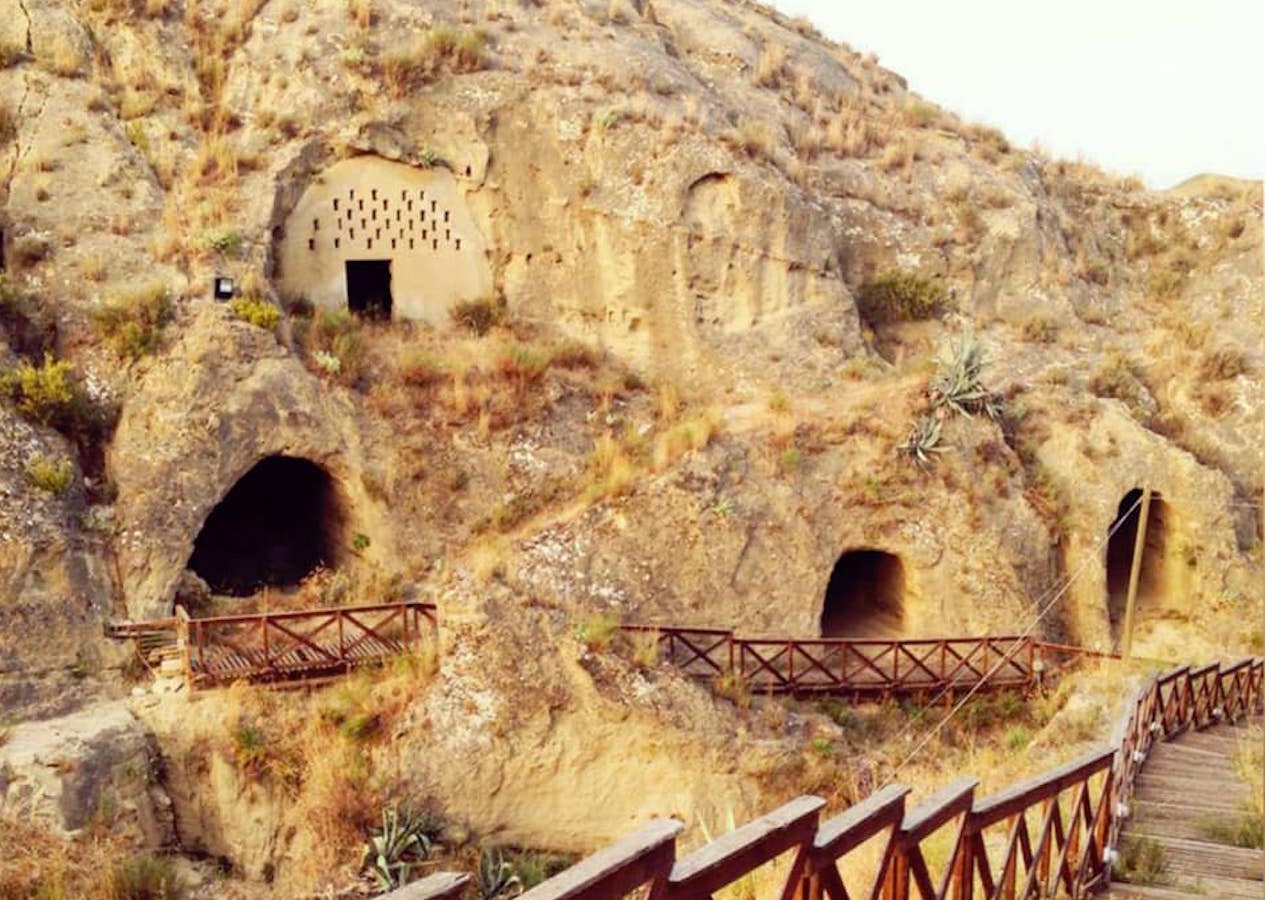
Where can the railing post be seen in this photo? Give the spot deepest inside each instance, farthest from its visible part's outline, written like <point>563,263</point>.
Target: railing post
<point>263,626</point>
<point>790,662</point>
<point>342,652</point>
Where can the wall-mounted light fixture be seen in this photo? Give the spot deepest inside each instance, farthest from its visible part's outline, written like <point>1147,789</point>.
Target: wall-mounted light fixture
<point>224,288</point>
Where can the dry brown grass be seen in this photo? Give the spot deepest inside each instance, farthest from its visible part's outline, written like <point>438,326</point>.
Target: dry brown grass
<point>770,67</point>
<point>853,132</point>
<point>438,49</point>
<point>752,138</point>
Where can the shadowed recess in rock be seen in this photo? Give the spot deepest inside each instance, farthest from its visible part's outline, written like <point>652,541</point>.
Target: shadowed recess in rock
<point>865,597</point>
<point>278,523</point>
<point>1151,579</point>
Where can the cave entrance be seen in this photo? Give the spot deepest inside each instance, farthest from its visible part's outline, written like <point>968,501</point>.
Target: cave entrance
<point>1151,578</point>
<point>278,523</point>
<point>369,287</point>
<point>865,597</point>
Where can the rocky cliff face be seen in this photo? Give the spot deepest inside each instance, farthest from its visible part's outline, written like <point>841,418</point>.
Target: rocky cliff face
<point>724,255</point>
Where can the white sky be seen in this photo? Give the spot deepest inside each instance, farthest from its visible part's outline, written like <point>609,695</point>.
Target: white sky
<point>1164,89</point>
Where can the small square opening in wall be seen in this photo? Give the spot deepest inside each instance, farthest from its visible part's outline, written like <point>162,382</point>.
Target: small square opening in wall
<point>369,287</point>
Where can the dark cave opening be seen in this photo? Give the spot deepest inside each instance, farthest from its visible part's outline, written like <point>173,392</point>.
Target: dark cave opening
<point>1151,581</point>
<point>865,597</point>
<point>277,524</point>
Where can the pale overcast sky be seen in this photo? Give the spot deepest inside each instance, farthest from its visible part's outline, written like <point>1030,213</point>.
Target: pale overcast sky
<point>1164,89</point>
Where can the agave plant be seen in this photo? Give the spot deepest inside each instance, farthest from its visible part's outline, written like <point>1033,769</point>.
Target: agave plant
<point>923,441</point>
<point>497,878</point>
<point>957,384</point>
<point>403,841</point>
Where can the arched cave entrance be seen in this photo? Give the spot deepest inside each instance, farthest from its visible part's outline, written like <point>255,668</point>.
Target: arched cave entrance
<point>1151,578</point>
<point>279,522</point>
<point>865,597</point>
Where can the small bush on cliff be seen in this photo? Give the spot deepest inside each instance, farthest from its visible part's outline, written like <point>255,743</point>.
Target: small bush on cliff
<point>479,316</point>
<point>1223,363</point>
<point>46,393</point>
<point>143,877</point>
<point>900,297</point>
<point>132,321</point>
<point>1115,379</point>
<point>50,474</point>
<point>336,345</point>
<point>597,631</point>
<point>259,313</point>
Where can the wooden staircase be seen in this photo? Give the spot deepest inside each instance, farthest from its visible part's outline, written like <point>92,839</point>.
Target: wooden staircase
<point>1189,800</point>
<point>157,644</point>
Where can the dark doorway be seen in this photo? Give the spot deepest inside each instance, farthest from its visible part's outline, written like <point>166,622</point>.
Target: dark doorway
<point>369,287</point>
<point>1120,556</point>
<point>279,522</point>
<point>865,597</point>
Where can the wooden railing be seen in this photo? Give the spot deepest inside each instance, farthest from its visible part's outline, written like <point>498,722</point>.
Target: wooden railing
<point>1053,835</point>
<point>278,646</point>
<point>859,668</point>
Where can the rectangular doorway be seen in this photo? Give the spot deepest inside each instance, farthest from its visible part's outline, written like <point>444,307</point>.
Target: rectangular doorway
<point>369,287</point>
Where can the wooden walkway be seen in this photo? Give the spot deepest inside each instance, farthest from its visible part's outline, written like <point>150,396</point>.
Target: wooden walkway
<point>859,669</point>
<point>288,646</point>
<point>1189,804</point>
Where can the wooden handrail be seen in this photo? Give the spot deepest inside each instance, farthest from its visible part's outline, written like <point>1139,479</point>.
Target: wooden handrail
<point>860,822</point>
<point>243,618</point>
<point>645,856</point>
<point>1015,799</point>
<point>951,800</point>
<point>733,855</point>
<point>439,886</point>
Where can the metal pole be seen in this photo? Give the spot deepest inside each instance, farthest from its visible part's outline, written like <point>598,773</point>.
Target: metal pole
<point>1139,544</point>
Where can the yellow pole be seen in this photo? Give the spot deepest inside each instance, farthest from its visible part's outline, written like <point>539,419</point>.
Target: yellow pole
<point>1139,544</point>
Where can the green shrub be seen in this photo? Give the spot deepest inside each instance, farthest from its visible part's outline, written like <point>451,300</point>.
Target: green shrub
<point>900,297</point>
<point>143,877</point>
<point>260,313</point>
<point>597,631</point>
<point>50,474</point>
<point>46,393</point>
<point>479,316</point>
<point>336,344</point>
<point>224,242</point>
<point>132,321</point>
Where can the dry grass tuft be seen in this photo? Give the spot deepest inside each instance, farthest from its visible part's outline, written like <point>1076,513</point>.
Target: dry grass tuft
<point>771,66</point>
